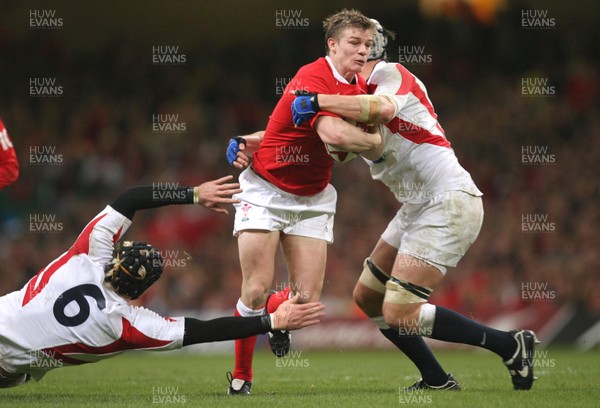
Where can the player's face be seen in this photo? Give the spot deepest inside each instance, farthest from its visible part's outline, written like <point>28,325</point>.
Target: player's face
<point>350,51</point>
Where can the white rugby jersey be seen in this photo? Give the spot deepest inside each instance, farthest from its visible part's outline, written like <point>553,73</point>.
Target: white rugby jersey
<point>65,315</point>
<point>419,162</point>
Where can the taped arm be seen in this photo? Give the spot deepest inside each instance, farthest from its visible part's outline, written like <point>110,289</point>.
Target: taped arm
<point>369,109</point>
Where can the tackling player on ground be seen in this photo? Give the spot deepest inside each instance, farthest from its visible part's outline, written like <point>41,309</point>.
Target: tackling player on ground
<point>287,198</point>
<point>75,310</point>
<point>440,218</point>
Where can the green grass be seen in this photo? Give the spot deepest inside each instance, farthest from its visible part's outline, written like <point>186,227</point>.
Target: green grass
<point>320,379</point>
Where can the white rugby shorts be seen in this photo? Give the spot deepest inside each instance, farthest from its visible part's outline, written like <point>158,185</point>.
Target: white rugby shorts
<point>438,231</point>
<point>263,206</point>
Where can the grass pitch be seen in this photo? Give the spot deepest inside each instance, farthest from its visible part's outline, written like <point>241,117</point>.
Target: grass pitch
<point>310,379</point>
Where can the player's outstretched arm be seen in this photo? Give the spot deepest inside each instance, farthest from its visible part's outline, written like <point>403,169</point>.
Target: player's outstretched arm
<point>288,316</point>
<point>213,194</point>
<point>368,109</point>
<point>210,194</point>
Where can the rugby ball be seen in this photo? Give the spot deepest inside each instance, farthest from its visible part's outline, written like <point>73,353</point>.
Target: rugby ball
<point>340,156</point>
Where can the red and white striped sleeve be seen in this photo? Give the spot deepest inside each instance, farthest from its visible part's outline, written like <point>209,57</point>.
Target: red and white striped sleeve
<point>97,240</point>
<point>99,237</point>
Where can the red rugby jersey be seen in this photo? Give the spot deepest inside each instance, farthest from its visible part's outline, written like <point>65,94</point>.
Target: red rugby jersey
<point>9,166</point>
<point>294,158</point>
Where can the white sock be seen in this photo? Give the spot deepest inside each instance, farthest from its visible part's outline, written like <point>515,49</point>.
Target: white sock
<point>245,311</point>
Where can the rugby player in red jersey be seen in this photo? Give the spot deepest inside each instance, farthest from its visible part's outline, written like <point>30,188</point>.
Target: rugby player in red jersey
<point>287,199</point>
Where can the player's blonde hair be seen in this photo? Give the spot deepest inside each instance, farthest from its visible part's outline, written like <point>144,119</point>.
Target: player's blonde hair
<point>336,23</point>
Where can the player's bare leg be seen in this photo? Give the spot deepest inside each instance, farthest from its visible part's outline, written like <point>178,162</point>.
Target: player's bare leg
<point>406,308</point>
<point>369,297</point>
<point>257,258</point>
<point>306,258</point>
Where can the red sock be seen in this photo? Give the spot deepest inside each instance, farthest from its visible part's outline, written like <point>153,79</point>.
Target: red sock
<point>277,298</point>
<point>244,353</point>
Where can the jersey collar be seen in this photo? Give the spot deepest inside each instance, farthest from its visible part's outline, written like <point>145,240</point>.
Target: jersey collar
<point>336,74</point>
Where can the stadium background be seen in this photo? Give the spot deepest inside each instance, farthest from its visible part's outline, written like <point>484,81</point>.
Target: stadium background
<point>229,63</point>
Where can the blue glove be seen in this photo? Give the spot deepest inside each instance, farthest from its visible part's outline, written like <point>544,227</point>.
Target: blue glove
<point>304,107</point>
<point>233,148</point>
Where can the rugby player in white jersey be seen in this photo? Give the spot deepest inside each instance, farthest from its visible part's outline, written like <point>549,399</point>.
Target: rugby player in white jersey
<point>76,311</point>
<point>440,218</point>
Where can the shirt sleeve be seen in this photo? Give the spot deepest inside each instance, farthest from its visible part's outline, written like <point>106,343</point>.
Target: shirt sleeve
<point>394,83</point>
<point>99,237</point>
<point>313,81</point>
<point>144,329</point>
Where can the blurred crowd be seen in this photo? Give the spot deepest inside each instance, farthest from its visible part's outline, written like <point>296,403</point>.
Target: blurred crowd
<point>102,130</point>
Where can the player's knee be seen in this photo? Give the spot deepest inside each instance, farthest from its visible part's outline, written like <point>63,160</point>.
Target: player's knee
<point>367,300</point>
<point>255,296</point>
<point>405,316</point>
<point>402,303</point>
<point>370,288</point>
<point>391,314</point>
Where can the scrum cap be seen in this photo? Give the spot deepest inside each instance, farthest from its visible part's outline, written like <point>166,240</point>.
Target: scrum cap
<point>380,42</point>
<point>134,268</point>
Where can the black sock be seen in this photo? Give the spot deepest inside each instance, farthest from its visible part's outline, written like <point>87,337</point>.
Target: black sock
<point>415,348</point>
<point>453,327</point>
